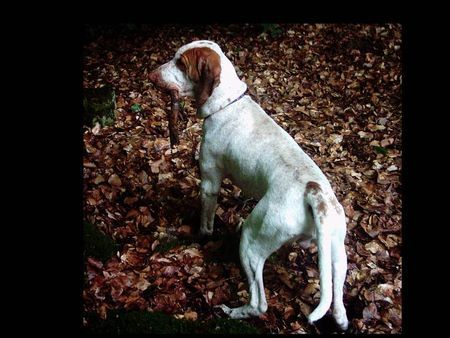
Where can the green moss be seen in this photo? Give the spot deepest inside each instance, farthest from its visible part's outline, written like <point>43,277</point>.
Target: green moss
<point>381,150</point>
<point>99,105</point>
<point>138,322</point>
<point>230,326</point>
<point>168,244</point>
<point>97,244</point>
<point>143,322</point>
<point>273,29</point>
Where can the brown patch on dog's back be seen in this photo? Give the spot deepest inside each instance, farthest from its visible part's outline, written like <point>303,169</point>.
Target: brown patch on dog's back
<point>321,207</point>
<point>313,187</point>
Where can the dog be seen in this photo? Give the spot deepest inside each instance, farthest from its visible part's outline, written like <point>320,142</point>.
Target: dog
<point>240,141</point>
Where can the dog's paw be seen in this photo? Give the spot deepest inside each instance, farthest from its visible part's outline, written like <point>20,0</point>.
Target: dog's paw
<point>245,311</point>
<point>343,325</point>
<point>224,308</point>
<point>314,316</point>
<point>341,320</point>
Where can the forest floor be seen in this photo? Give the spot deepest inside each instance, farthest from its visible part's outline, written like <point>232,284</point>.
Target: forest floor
<point>336,89</point>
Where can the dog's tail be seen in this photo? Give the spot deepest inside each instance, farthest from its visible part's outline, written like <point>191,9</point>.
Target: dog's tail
<point>315,197</point>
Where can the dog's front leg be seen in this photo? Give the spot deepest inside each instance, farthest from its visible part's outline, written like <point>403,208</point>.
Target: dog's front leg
<point>209,190</point>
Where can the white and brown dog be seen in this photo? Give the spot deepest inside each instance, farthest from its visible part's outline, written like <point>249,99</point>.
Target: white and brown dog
<point>240,141</point>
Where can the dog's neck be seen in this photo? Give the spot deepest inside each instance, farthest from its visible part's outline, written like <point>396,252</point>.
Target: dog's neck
<point>221,108</point>
<point>219,100</point>
<point>229,90</point>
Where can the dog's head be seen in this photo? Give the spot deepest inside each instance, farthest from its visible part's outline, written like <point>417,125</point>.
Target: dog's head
<point>201,70</point>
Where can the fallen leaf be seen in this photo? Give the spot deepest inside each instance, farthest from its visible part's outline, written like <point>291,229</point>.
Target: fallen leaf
<point>115,180</point>
<point>371,312</point>
<point>288,312</point>
<point>95,263</point>
<point>387,141</point>
<point>169,270</point>
<point>284,276</point>
<point>191,315</point>
<point>130,201</point>
<point>184,230</point>
<point>373,247</point>
<point>392,168</point>
<point>142,285</point>
<point>311,289</point>
<point>99,179</point>
<point>89,164</point>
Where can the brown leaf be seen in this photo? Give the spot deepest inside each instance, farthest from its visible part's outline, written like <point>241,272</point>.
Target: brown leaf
<point>390,240</point>
<point>312,272</point>
<point>369,187</point>
<point>288,312</point>
<point>386,289</point>
<point>371,312</point>
<point>132,258</point>
<point>96,129</point>
<point>297,328</point>
<point>292,256</point>
<point>373,246</point>
<point>142,285</point>
<point>143,177</point>
<point>184,230</point>
<point>191,315</point>
<point>221,295</point>
<point>154,166</point>
<point>394,316</point>
<point>284,276</point>
<point>132,213</point>
<point>89,164</point>
<point>311,289</point>
<point>169,270</point>
<point>95,263</point>
<point>304,308</point>
<point>243,296</point>
<point>392,167</point>
<point>154,245</point>
<point>208,296</point>
<point>387,141</point>
<point>130,201</point>
<point>99,179</point>
<point>116,292</point>
<point>374,98</point>
<point>115,180</point>
<point>193,252</point>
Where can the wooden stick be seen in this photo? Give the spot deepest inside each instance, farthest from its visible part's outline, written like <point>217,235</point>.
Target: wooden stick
<point>173,118</point>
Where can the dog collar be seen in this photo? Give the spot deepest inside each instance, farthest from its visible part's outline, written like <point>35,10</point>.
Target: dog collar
<point>228,104</point>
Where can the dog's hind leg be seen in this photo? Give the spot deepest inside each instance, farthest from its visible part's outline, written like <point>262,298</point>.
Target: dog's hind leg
<point>252,261</point>
<point>253,254</point>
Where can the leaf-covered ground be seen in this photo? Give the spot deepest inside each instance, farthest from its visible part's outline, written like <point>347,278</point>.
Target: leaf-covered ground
<point>335,88</point>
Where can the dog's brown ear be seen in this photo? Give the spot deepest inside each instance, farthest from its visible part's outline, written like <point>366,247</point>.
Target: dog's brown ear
<point>202,66</point>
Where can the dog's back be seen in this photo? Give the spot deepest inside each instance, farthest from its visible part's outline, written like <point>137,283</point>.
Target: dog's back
<point>256,152</point>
